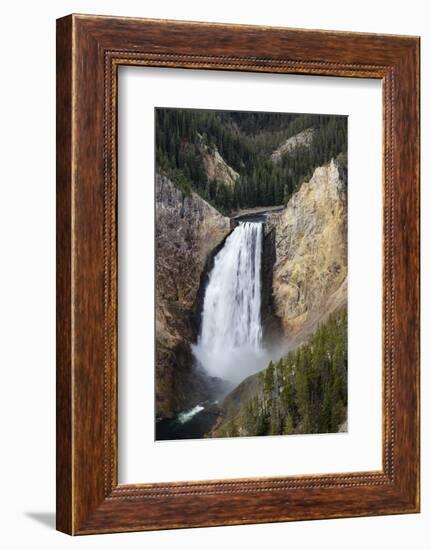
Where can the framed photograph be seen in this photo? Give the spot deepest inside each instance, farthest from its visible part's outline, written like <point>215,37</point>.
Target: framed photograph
<point>237,274</point>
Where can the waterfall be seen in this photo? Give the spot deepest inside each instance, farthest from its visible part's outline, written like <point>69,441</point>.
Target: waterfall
<point>229,345</point>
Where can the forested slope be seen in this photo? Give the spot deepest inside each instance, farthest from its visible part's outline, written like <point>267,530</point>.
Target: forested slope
<point>246,143</point>
<point>304,392</point>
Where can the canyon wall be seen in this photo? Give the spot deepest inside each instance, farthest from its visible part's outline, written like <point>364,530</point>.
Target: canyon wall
<point>188,231</point>
<point>309,275</point>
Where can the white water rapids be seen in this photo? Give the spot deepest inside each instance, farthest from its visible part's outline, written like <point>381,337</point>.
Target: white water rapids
<point>229,345</point>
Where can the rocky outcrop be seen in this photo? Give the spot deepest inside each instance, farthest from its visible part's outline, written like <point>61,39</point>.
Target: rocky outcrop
<point>188,229</point>
<point>310,269</point>
<point>303,139</point>
<point>216,168</point>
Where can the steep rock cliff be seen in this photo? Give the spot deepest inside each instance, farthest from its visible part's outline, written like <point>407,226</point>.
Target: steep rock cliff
<point>310,270</point>
<point>188,230</point>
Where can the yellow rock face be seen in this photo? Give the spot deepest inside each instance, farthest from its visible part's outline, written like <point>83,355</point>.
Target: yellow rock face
<point>310,272</point>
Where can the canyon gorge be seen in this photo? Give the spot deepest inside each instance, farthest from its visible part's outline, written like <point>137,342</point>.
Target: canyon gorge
<point>244,294</point>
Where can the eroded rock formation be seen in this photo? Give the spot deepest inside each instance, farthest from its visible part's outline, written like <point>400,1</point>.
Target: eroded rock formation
<point>303,139</point>
<point>310,241</point>
<point>188,230</point>
<point>216,168</point>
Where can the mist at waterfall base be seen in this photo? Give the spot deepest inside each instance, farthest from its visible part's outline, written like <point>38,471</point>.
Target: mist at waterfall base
<point>229,345</point>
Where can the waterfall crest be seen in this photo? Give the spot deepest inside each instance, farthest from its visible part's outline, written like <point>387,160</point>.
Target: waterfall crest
<point>230,341</point>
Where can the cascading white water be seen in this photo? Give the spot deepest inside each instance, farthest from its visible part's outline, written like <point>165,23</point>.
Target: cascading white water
<point>230,342</point>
